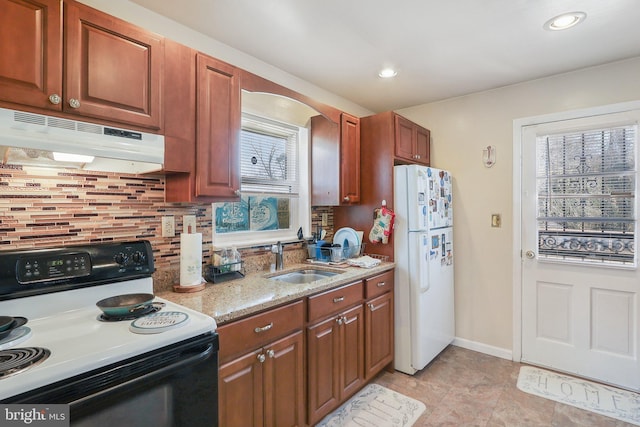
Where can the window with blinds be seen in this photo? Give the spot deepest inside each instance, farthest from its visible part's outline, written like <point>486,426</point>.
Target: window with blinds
<point>268,157</point>
<point>586,184</point>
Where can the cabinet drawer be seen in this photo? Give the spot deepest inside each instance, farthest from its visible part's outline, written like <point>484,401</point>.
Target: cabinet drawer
<point>378,285</point>
<point>256,331</point>
<point>332,301</point>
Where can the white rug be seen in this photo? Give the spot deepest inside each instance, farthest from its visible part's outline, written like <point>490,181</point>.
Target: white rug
<point>601,399</point>
<point>375,406</point>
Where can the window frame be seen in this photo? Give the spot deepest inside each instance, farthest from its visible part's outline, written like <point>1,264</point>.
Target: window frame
<point>299,205</point>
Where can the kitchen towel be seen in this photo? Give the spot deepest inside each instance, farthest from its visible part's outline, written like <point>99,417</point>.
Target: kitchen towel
<point>190,259</point>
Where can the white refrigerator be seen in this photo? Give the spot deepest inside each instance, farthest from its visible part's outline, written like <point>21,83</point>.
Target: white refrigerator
<point>423,252</point>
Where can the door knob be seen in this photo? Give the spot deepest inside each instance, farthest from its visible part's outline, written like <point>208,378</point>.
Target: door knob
<point>530,254</point>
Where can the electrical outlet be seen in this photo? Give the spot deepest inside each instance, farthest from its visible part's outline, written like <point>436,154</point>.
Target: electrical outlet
<point>189,224</point>
<point>325,219</point>
<point>168,226</point>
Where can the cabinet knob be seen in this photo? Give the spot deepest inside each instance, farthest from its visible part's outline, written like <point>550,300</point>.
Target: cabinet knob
<point>237,193</point>
<point>271,354</point>
<point>371,307</point>
<point>55,99</point>
<point>339,320</point>
<point>261,358</point>
<point>263,328</point>
<point>74,103</point>
<point>346,198</point>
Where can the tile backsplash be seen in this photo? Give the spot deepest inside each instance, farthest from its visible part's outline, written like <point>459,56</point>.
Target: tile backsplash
<point>43,207</point>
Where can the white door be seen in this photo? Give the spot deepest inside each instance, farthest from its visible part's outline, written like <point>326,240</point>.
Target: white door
<point>580,276</point>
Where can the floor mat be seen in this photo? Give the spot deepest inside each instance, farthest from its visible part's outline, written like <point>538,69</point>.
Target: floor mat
<point>601,399</point>
<point>375,406</point>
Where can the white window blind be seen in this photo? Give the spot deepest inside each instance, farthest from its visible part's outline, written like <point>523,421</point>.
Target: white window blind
<point>268,157</point>
<point>586,184</point>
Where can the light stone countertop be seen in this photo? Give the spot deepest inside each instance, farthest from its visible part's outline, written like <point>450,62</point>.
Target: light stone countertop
<point>228,301</point>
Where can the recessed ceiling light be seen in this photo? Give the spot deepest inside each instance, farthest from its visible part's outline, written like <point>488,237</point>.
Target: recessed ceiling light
<point>564,21</point>
<point>387,73</point>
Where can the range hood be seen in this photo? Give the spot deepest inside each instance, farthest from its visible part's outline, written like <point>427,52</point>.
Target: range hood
<point>37,140</point>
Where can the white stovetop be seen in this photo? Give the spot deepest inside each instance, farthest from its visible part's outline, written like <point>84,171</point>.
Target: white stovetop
<point>78,341</point>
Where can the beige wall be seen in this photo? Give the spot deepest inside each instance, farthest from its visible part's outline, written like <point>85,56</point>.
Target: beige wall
<point>460,129</point>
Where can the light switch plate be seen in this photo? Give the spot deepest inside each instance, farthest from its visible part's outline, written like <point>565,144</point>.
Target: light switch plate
<point>496,220</point>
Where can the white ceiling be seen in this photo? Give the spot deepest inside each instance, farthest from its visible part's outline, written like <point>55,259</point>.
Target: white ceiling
<point>441,48</point>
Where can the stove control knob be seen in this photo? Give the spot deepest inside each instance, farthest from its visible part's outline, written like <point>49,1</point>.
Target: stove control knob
<point>121,258</point>
<point>139,257</point>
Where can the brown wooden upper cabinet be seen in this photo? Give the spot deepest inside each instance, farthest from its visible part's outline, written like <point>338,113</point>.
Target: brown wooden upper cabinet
<point>335,161</point>
<point>111,70</point>
<point>31,53</point>
<point>218,129</point>
<point>412,141</point>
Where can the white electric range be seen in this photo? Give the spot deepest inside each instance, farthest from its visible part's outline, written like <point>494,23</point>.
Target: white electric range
<point>75,348</point>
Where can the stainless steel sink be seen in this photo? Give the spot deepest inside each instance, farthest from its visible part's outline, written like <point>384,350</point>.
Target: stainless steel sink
<point>299,277</point>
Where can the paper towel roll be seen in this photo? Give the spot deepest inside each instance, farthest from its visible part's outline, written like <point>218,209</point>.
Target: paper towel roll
<point>190,259</point>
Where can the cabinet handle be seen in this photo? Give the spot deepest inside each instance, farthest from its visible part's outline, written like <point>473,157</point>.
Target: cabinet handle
<point>264,328</point>
<point>55,99</point>
<point>338,299</point>
<point>261,358</point>
<point>346,198</point>
<point>271,354</point>
<point>381,284</point>
<point>237,192</point>
<point>371,307</point>
<point>74,103</point>
<point>339,320</point>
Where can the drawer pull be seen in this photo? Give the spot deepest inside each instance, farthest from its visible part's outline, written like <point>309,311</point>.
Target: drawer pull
<point>338,299</point>
<point>381,284</point>
<point>264,328</point>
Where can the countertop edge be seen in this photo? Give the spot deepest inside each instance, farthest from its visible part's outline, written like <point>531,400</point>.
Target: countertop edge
<point>235,299</point>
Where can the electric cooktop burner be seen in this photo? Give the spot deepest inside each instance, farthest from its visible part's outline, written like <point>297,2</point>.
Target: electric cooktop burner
<point>151,308</point>
<point>17,360</point>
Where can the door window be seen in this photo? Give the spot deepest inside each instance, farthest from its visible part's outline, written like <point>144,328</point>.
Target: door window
<point>585,186</point>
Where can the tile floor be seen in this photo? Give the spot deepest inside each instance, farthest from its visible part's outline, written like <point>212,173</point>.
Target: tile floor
<point>466,388</point>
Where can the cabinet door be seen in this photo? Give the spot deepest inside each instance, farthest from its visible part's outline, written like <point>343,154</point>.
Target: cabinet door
<point>240,386</point>
<point>31,52</point>
<point>323,367</point>
<point>218,129</point>
<point>113,70</point>
<point>349,159</point>
<point>379,334</point>
<point>284,382</point>
<point>404,130</point>
<point>422,150</point>
<point>352,352</point>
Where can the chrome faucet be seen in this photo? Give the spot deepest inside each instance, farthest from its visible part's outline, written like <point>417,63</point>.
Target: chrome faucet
<point>277,249</point>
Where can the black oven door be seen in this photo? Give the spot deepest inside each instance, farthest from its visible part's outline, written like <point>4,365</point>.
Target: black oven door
<point>171,387</point>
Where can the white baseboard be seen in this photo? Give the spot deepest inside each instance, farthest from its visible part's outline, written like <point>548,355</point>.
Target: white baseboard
<point>502,353</point>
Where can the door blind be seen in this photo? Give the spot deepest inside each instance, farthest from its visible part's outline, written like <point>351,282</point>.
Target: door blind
<point>586,184</point>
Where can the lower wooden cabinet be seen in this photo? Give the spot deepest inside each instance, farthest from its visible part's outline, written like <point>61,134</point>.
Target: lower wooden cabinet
<point>335,361</point>
<point>378,326</point>
<point>264,387</point>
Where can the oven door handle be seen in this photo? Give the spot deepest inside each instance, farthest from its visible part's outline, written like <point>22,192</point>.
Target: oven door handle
<point>200,355</point>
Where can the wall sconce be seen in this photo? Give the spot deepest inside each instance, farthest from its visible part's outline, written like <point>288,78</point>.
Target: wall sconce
<point>489,156</point>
